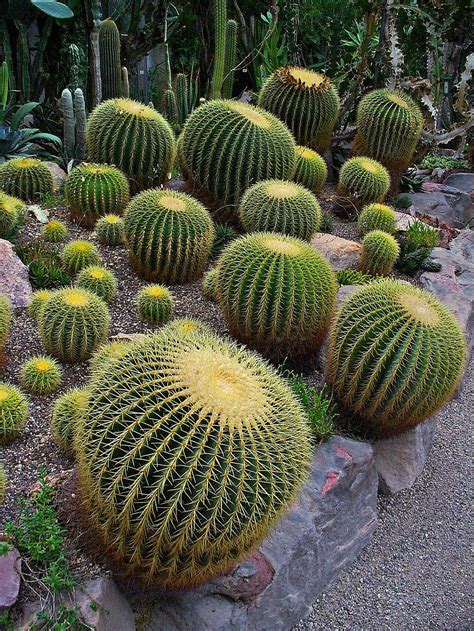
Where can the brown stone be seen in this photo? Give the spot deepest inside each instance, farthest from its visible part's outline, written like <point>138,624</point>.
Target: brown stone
<point>341,253</point>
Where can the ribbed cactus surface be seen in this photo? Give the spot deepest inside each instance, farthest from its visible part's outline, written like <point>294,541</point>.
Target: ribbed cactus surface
<point>110,230</point>
<point>40,375</point>
<point>133,137</point>
<point>306,101</point>
<point>186,466</point>
<point>311,169</point>
<point>68,410</point>
<point>110,66</point>
<point>13,412</point>
<point>396,355</point>
<point>99,280</point>
<point>363,181</point>
<point>155,304</point>
<point>169,236</point>
<point>277,293</point>
<point>54,231</point>
<point>377,217</point>
<point>380,252</point>
<point>37,302</point>
<point>12,212</point>
<point>26,178</point>
<point>6,314</point>
<point>106,355</point>
<point>80,254</point>
<point>227,146</point>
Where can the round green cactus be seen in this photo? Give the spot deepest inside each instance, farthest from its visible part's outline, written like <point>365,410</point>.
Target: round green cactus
<point>38,300</point>
<point>80,254</point>
<point>99,281</point>
<point>306,101</point>
<point>107,354</point>
<point>12,212</point>
<point>380,252</point>
<point>55,231</point>
<point>277,293</point>
<point>352,277</point>
<point>68,411</point>
<point>311,169</point>
<point>40,375</point>
<point>26,178</point>
<point>184,327</point>
<point>73,323</point>
<point>13,412</point>
<point>377,217</point>
<point>155,304</point>
<point>229,145</point>
<point>134,137</point>
<point>3,483</point>
<point>280,206</point>
<point>186,466</point>
<point>110,230</point>
<point>94,190</point>
<point>396,355</point>
<point>363,181</point>
<point>209,284</point>
<point>389,125</point>
<point>6,314</point>
<point>169,236</point>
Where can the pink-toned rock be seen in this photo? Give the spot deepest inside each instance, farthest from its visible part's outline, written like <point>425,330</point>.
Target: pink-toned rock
<point>10,573</point>
<point>341,253</point>
<point>14,281</point>
<point>59,175</point>
<point>403,220</point>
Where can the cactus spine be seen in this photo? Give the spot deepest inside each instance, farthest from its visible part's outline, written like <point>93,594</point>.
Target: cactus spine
<point>311,169</point>
<point>80,254</point>
<point>6,314</point>
<point>69,126</point>
<point>12,214</point>
<point>155,304</point>
<point>81,124</point>
<point>67,412</point>
<point>26,178</point>
<point>13,412</point>
<point>55,231</point>
<point>110,230</point>
<point>38,300</point>
<point>377,217</point>
<point>110,66</point>
<point>125,83</point>
<point>220,22</point>
<point>363,181</point>
<point>40,375</point>
<point>99,280</point>
<point>380,252</point>
<point>230,58</point>
<point>170,108</point>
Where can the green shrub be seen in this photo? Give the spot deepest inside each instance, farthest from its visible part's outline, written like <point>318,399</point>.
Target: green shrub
<point>311,169</point>
<point>318,406</point>
<point>26,178</point>
<point>155,304</point>
<point>68,410</point>
<point>38,300</point>
<point>13,412</point>
<point>80,254</point>
<point>363,181</point>
<point>377,217</point>
<point>110,230</point>
<point>416,246</point>
<point>12,213</point>
<point>55,232</point>
<point>40,375</point>
<point>379,253</point>
<point>99,281</point>
<point>352,277</point>
<point>224,233</point>
<point>6,314</point>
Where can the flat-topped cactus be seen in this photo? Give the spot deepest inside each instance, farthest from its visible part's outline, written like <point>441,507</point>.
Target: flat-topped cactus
<point>26,178</point>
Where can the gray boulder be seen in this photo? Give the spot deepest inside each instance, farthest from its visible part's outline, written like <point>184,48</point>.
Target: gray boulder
<point>14,281</point>
<point>462,181</point>
<point>443,204</point>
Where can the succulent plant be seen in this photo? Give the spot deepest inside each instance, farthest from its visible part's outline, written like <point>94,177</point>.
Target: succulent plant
<point>203,451</point>
<point>80,254</point>
<point>352,277</point>
<point>3,483</point>
<point>110,230</point>
<point>379,253</point>
<point>26,178</point>
<point>209,284</point>
<point>40,375</point>
<point>169,236</point>
<point>389,125</point>
<point>55,231</point>
<point>73,323</point>
<point>94,190</point>
<point>110,66</point>
<point>363,181</point>
<point>227,146</point>
<point>306,101</point>
<point>311,169</point>
<point>12,212</point>
<point>280,206</point>
<point>155,304</point>
<point>99,281</point>
<point>396,355</point>
<point>37,301</point>
<point>185,326</point>
<point>68,410</point>
<point>224,233</point>
<point>106,354</point>
<point>149,141</point>
<point>6,314</point>
<point>277,293</point>
<point>13,412</point>
<point>377,217</point>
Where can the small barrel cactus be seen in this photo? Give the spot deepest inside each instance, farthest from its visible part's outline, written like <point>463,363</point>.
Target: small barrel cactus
<point>68,410</point>
<point>209,284</point>
<point>6,314</point>
<point>277,293</point>
<point>311,169</point>
<point>40,375</point>
<point>209,439</point>
<point>186,326</point>
<point>352,277</point>
<point>12,212</point>
<point>37,301</point>
<point>110,230</point>
<point>99,281</point>
<point>80,254</point>
<point>107,354</point>
<point>55,231</point>
<point>155,304</point>
<point>73,323</point>
<point>280,206</point>
<point>396,355</point>
<point>26,178</point>
<point>169,236</point>
<point>134,137</point>
<point>380,252</point>
<point>377,217</point>
<point>13,412</point>
<point>363,181</point>
<point>94,190</point>
<point>227,146</point>
<point>306,101</point>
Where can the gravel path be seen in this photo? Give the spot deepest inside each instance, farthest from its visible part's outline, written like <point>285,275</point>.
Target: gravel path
<point>416,574</point>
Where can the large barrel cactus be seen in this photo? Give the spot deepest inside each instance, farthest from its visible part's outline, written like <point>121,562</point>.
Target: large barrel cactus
<point>311,169</point>
<point>227,146</point>
<point>185,466</point>
<point>26,178</point>
<point>169,236</point>
<point>396,355</point>
<point>277,293</point>
<point>280,206</point>
<point>306,101</point>
<point>363,181</point>
<point>133,137</point>
<point>389,125</point>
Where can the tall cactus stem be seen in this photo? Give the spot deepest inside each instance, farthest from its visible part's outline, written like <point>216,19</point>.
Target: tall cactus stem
<point>125,83</point>
<point>68,123</point>
<point>230,58</point>
<point>110,66</point>
<point>182,97</point>
<point>220,21</point>
<point>81,123</point>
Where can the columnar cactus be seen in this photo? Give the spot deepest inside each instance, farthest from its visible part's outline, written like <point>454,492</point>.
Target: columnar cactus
<point>306,101</point>
<point>93,190</point>
<point>169,236</point>
<point>99,280</point>
<point>227,146</point>
<point>40,375</point>
<point>155,304</point>
<point>311,169</point>
<point>12,212</point>
<point>377,217</point>
<point>280,206</point>
<point>220,21</point>
<point>186,466</point>
<point>6,313</point>
<point>80,254</point>
<point>380,252</point>
<point>73,323</point>
<point>55,231</point>
<point>68,410</point>
<point>37,301</point>
<point>13,412</point>
<point>277,293</point>
<point>230,58</point>
<point>363,181</point>
<point>110,66</point>
<point>134,137</point>
<point>110,230</point>
<point>26,178</point>
<point>396,355</point>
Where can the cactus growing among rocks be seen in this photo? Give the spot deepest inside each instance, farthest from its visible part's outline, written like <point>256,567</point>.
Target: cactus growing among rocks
<point>12,212</point>
<point>155,304</point>
<point>352,277</point>
<point>186,326</point>
<point>6,313</point>
<point>396,355</point>
<point>40,375</point>
<point>13,412</point>
<point>107,354</point>
<point>54,231</point>
<point>80,254</point>
<point>311,169</point>
<point>110,230</point>
<point>377,217</point>
<point>379,253</point>
<point>26,178</point>
<point>99,281</point>
<point>363,181</point>
<point>68,410</point>
<point>37,301</point>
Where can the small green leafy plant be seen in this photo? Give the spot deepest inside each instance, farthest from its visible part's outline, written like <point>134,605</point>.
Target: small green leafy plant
<point>442,162</point>
<point>415,247</point>
<point>318,406</point>
<point>45,267</point>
